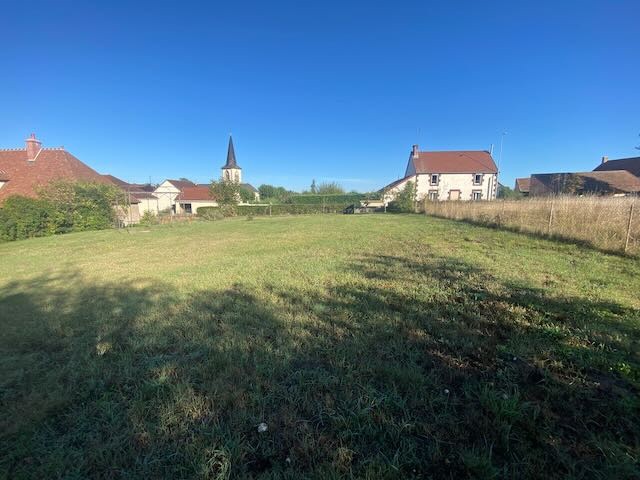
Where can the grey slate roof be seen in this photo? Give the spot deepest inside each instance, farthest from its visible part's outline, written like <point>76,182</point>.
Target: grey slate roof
<point>231,156</point>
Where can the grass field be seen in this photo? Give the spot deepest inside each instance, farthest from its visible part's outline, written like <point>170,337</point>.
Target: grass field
<point>375,346</point>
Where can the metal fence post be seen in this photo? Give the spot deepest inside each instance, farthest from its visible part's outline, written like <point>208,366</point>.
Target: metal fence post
<point>626,242</point>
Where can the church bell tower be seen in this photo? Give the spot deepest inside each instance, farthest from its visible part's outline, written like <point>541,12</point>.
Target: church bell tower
<point>231,172</point>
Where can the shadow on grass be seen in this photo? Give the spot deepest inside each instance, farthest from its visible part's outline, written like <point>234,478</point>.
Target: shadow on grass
<point>410,367</point>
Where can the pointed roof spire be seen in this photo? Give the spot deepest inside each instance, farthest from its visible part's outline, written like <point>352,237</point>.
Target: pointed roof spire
<point>231,156</point>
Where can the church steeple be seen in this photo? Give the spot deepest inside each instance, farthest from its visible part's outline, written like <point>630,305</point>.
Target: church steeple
<point>231,156</point>
<point>231,171</point>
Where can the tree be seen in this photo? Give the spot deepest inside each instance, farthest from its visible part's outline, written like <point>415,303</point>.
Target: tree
<point>405,200</point>
<point>227,195</point>
<point>330,188</point>
<point>269,192</point>
<point>313,186</point>
<point>246,194</point>
<point>508,193</point>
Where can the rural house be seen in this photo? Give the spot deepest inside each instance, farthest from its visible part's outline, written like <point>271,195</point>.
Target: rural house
<point>23,171</point>
<point>168,191</point>
<point>448,175</point>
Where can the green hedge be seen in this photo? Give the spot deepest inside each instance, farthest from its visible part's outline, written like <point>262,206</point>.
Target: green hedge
<point>62,207</point>
<point>213,213</point>
<point>312,199</point>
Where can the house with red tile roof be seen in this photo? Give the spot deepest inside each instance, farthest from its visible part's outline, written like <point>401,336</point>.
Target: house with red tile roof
<point>24,171</point>
<point>448,175</point>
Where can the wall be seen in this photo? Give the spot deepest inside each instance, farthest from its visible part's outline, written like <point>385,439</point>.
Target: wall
<point>166,194</point>
<point>195,204</point>
<point>149,205</point>
<point>447,182</point>
<point>457,181</point>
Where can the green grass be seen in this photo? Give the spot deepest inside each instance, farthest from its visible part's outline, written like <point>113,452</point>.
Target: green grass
<point>375,346</point>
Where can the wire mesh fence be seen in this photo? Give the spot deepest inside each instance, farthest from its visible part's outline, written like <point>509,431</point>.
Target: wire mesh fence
<point>607,223</point>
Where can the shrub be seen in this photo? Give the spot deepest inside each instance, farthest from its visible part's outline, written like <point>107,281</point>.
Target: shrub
<point>405,201</point>
<point>62,207</point>
<point>80,206</point>
<point>148,218</point>
<point>23,217</point>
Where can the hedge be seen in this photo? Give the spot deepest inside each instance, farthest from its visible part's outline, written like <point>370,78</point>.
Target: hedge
<point>313,199</point>
<point>211,213</point>
<point>62,207</point>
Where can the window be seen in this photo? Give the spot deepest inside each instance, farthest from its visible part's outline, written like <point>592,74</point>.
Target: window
<point>454,194</point>
<point>433,195</point>
<point>186,207</point>
<point>434,179</point>
<point>477,179</point>
<point>476,195</point>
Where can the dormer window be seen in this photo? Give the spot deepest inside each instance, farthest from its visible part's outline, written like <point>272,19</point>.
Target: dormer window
<point>477,179</point>
<point>435,178</point>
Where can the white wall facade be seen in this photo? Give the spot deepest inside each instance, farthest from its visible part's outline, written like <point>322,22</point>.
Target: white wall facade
<point>149,205</point>
<point>195,205</point>
<point>450,186</point>
<point>166,193</point>
<point>457,186</point>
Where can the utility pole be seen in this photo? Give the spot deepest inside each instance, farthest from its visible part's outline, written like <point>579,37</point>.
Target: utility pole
<point>501,143</point>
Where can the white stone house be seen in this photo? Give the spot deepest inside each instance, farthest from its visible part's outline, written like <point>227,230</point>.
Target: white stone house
<point>448,175</point>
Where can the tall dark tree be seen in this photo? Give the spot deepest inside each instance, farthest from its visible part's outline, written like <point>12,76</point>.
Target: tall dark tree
<point>313,186</point>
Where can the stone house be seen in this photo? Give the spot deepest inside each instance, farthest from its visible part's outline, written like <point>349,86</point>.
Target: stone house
<point>448,175</point>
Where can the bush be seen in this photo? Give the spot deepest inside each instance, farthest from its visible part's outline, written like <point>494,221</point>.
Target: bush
<point>405,201</point>
<point>210,213</point>
<point>23,217</point>
<point>62,207</point>
<point>148,218</point>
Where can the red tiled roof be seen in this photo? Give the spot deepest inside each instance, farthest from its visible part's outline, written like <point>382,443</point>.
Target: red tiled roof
<point>195,193</point>
<point>181,184</point>
<point>522,184</point>
<point>462,161</point>
<point>25,177</point>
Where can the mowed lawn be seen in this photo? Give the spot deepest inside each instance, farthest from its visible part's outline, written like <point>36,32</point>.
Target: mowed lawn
<point>380,346</point>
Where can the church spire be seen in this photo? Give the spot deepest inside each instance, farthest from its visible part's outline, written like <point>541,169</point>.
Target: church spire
<point>231,156</point>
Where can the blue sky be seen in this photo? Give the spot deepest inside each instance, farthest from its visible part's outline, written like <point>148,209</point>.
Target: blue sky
<point>325,90</point>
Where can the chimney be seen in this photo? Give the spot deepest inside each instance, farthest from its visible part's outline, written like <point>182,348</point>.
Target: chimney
<point>33,147</point>
<point>414,151</point>
<point>605,159</point>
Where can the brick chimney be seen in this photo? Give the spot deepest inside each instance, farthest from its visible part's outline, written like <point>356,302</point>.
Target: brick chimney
<point>414,151</point>
<point>605,159</point>
<point>33,147</point>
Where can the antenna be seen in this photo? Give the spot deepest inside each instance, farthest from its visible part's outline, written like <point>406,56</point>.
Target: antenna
<point>501,143</point>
